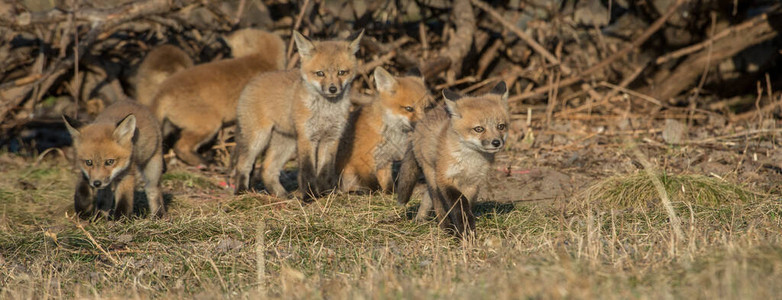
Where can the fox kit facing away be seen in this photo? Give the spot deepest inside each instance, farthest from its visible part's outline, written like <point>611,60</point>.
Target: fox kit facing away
<point>454,147</point>
<point>202,99</point>
<point>378,133</point>
<point>122,141</point>
<point>303,110</point>
<point>158,65</point>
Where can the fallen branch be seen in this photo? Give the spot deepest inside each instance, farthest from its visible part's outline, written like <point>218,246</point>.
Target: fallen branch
<point>668,84</point>
<point>722,34</point>
<point>111,17</point>
<point>635,44</point>
<point>459,43</point>
<point>523,36</point>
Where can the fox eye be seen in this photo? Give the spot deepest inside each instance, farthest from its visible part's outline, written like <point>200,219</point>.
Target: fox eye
<point>109,162</point>
<point>341,72</point>
<point>409,108</point>
<point>479,129</point>
<point>88,163</point>
<point>501,127</point>
<point>320,73</point>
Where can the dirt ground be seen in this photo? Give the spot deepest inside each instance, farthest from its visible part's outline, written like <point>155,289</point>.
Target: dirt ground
<point>550,166</point>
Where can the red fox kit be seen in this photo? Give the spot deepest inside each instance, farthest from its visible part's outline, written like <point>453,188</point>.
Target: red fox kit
<point>377,134</point>
<point>202,99</point>
<point>454,147</point>
<point>158,65</point>
<point>122,141</point>
<point>303,110</point>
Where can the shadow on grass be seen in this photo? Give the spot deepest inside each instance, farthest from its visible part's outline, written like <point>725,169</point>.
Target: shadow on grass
<point>288,179</point>
<point>487,209</point>
<point>141,205</point>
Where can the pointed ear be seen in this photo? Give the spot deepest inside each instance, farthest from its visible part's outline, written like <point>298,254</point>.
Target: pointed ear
<point>123,134</point>
<point>415,72</point>
<point>384,82</point>
<point>355,41</point>
<point>304,44</point>
<point>502,90</point>
<point>450,98</point>
<point>72,125</point>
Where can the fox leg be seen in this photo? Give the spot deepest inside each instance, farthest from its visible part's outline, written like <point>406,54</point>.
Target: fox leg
<point>436,198</point>
<point>278,153</point>
<point>186,148</point>
<point>249,145</point>
<point>123,194</point>
<point>348,180</point>
<point>84,198</point>
<point>307,172</point>
<point>441,208</point>
<point>325,169</point>
<point>151,175</point>
<point>460,214</point>
<point>425,207</point>
<point>409,171</point>
<point>385,179</point>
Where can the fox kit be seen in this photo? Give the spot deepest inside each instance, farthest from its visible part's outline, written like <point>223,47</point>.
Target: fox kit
<point>158,65</point>
<point>122,141</point>
<point>378,133</point>
<point>200,100</point>
<point>454,147</point>
<point>303,110</point>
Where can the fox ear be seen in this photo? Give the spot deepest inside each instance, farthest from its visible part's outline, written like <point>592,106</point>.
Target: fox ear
<point>502,90</point>
<point>355,40</point>
<point>384,81</point>
<point>415,72</point>
<point>72,125</point>
<point>304,44</point>
<point>125,130</point>
<point>450,103</point>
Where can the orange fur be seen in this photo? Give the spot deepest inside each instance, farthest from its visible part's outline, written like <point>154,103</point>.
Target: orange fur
<point>122,141</point>
<point>454,147</point>
<point>158,65</point>
<point>377,133</point>
<point>302,111</point>
<point>201,100</point>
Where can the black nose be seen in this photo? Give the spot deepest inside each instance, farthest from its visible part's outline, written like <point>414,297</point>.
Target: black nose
<point>496,143</point>
<point>96,183</point>
<point>332,89</point>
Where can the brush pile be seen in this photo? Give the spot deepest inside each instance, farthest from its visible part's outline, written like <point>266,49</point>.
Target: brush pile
<point>690,60</point>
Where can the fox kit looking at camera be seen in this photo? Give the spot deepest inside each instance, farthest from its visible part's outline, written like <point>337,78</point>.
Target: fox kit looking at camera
<point>158,65</point>
<point>454,147</point>
<point>201,100</point>
<point>302,110</point>
<point>122,141</point>
<point>378,133</point>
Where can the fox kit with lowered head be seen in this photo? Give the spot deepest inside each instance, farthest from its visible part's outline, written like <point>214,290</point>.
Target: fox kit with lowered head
<point>200,100</point>
<point>123,141</point>
<point>454,147</point>
<point>158,65</point>
<point>377,134</point>
<point>302,110</point>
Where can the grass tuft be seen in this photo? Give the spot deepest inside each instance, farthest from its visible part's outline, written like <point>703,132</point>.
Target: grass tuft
<point>638,191</point>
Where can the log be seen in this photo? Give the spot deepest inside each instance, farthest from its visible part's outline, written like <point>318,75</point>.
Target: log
<point>459,43</point>
<point>668,84</point>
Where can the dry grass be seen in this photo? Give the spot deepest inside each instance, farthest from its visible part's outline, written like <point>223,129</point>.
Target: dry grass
<point>349,246</point>
<point>637,190</point>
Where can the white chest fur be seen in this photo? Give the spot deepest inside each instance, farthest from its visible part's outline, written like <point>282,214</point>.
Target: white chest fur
<point>328,117</point>
<point>469,165</point>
